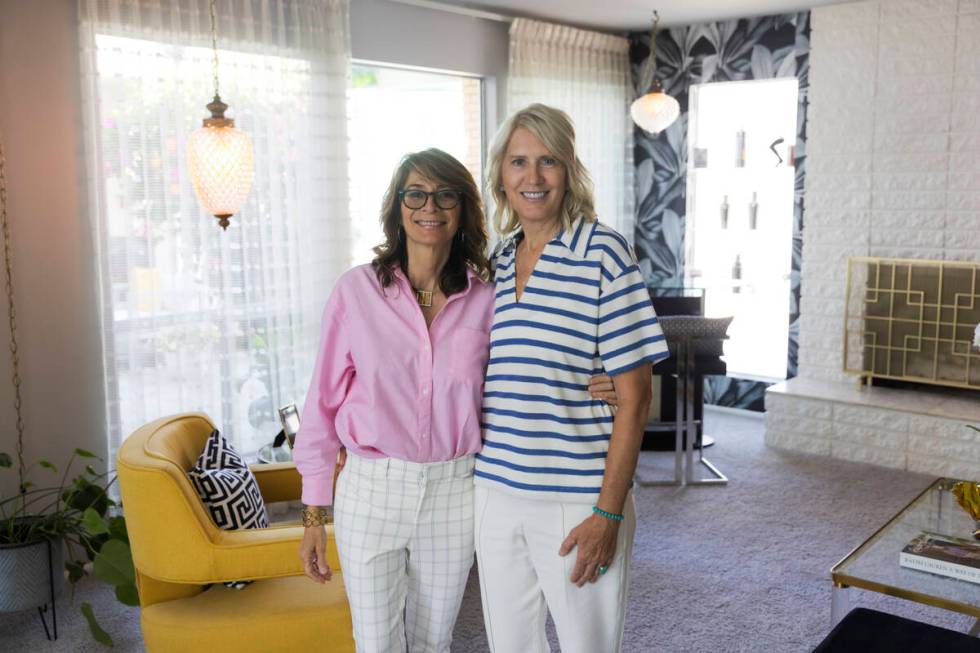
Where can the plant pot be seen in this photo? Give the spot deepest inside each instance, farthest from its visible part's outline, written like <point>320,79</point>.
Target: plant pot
<point>27,571</point>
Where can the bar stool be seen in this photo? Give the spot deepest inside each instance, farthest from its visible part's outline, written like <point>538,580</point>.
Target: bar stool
<point>695,344</point>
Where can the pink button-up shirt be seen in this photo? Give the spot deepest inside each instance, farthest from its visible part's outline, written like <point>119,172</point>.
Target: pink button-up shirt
<point>385,386</point>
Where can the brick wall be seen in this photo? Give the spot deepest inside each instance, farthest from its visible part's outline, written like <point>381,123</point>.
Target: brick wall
<point>893,148</point>
<point>889,436</point>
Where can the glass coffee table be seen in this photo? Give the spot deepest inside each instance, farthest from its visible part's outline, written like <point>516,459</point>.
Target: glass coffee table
<point>874,564</point>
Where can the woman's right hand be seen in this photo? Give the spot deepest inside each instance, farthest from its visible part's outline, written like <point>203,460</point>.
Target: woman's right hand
<point>313,553</point>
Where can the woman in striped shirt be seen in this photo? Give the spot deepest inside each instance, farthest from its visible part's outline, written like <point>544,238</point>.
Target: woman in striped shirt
<point>554,513</point>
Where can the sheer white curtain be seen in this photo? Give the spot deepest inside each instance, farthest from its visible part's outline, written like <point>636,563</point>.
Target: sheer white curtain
<point>193,317</point>
<point>587,75</point>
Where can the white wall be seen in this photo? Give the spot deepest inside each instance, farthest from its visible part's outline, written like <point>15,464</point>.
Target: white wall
<point>54,273</point>
<point>893,151</point>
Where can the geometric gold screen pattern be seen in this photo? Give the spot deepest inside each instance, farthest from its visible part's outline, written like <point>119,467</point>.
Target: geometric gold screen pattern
<point>912,320</point>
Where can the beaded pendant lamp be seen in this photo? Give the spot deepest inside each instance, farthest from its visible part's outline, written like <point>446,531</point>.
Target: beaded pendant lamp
<point>656,110</point>
<point>219,155</point>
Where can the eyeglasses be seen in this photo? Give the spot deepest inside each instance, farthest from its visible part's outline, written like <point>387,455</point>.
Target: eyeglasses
<point>415,199</point>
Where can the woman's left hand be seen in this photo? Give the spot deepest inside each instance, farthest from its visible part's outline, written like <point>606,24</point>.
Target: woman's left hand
<point>601,387</point>
<point>595,539</point>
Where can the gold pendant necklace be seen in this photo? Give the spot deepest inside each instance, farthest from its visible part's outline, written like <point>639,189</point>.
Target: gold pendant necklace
<point>423,297</point>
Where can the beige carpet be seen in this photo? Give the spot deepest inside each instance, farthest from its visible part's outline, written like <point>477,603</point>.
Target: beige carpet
<point>722,569</point>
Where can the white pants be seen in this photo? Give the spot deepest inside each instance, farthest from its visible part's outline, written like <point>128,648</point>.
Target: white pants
<point>405,538</point>
<point>522,576</point>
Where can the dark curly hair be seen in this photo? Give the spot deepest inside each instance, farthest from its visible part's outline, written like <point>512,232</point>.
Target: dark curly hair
<point>470,244</point>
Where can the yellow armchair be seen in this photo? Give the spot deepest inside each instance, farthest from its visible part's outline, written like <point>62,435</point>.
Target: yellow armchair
<point>179,552</point>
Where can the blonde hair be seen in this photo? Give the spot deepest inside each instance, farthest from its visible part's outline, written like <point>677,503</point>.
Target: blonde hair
<point>554,129</point>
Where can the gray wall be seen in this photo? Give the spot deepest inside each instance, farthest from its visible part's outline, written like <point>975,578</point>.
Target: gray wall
<point>54,273</point>
<point>54,283</point>
<point>395,33</point>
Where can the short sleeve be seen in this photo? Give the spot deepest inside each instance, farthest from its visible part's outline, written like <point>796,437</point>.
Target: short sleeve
<point>629,333</point>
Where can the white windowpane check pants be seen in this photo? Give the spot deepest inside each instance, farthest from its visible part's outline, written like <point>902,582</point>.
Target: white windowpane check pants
<point>405,537</point>
<point>522,577</point>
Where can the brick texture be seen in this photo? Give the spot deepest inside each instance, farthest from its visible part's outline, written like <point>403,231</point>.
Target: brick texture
<point>893,149</point>
<point>896,438</point>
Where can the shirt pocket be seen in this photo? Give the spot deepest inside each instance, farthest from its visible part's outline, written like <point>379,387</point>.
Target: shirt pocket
<point>470,350</point>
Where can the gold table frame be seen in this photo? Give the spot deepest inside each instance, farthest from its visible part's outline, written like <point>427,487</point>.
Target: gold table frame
<point>933,509</point>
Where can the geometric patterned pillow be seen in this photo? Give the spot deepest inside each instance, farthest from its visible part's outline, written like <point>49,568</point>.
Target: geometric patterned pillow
<point>227,486</point>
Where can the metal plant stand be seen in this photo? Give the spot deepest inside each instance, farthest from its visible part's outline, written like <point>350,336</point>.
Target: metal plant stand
<point>54,605</point>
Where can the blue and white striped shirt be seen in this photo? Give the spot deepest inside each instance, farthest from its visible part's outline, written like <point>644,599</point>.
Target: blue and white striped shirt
<point>585,309</point>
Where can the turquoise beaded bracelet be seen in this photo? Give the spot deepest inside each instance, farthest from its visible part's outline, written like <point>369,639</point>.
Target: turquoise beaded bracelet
<point>608,515</point>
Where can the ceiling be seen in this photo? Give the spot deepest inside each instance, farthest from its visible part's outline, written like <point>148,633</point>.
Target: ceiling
<point>633,15</point>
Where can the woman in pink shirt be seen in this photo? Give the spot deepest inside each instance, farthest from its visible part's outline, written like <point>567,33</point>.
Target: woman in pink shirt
<point>398,382</point>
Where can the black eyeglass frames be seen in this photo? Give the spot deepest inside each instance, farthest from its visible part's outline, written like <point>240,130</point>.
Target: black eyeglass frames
<point>415,199</point>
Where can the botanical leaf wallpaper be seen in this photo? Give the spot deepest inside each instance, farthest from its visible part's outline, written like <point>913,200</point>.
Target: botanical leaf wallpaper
<point>750,48</point>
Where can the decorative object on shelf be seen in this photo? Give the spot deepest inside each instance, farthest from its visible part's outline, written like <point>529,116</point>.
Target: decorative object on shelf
<point>740,148</point>
<point>724,212</point>
<point>753,212</point>
<point>40,524</point>
<point>656,110</point>
<point>772,146</point>
<point>968,496</point>
<point>289,418</point>
<point>700,157</point>
<point>737,274</point>
<point>220,156</point>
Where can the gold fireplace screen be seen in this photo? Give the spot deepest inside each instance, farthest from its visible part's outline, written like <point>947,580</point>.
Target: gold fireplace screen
<point>912,320</point>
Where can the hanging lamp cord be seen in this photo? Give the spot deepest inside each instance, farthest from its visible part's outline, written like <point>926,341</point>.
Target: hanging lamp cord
<point>214,46</point>
<point>653,42</point>
<point>653,48</point>
<point>12,318</point>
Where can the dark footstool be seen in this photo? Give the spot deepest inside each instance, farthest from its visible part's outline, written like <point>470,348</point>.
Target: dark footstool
<point>869,631</point>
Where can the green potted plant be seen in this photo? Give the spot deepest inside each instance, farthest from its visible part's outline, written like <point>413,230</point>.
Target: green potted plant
<point>52,532</point>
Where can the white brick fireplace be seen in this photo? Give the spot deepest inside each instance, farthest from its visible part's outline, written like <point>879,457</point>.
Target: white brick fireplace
<point>893,170</point>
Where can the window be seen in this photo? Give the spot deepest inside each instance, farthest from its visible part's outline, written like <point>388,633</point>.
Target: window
<point>740,216</point>
<point>393,112</point>
<point>196,318</point>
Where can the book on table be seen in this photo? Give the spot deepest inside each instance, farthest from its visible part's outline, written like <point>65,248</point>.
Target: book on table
<point>944,555</point>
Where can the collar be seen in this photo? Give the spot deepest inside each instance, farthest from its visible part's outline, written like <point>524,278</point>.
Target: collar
<point>575,239</point>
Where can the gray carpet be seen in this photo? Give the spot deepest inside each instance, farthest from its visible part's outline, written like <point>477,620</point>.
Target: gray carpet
<point>725,569</point>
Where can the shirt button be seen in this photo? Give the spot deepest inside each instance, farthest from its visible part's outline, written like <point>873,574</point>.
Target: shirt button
<point>425,435</point>
<point>425,391</point>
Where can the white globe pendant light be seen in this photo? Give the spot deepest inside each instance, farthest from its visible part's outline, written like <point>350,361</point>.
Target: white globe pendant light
<point>656,110</point>
<point>219,156</point>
